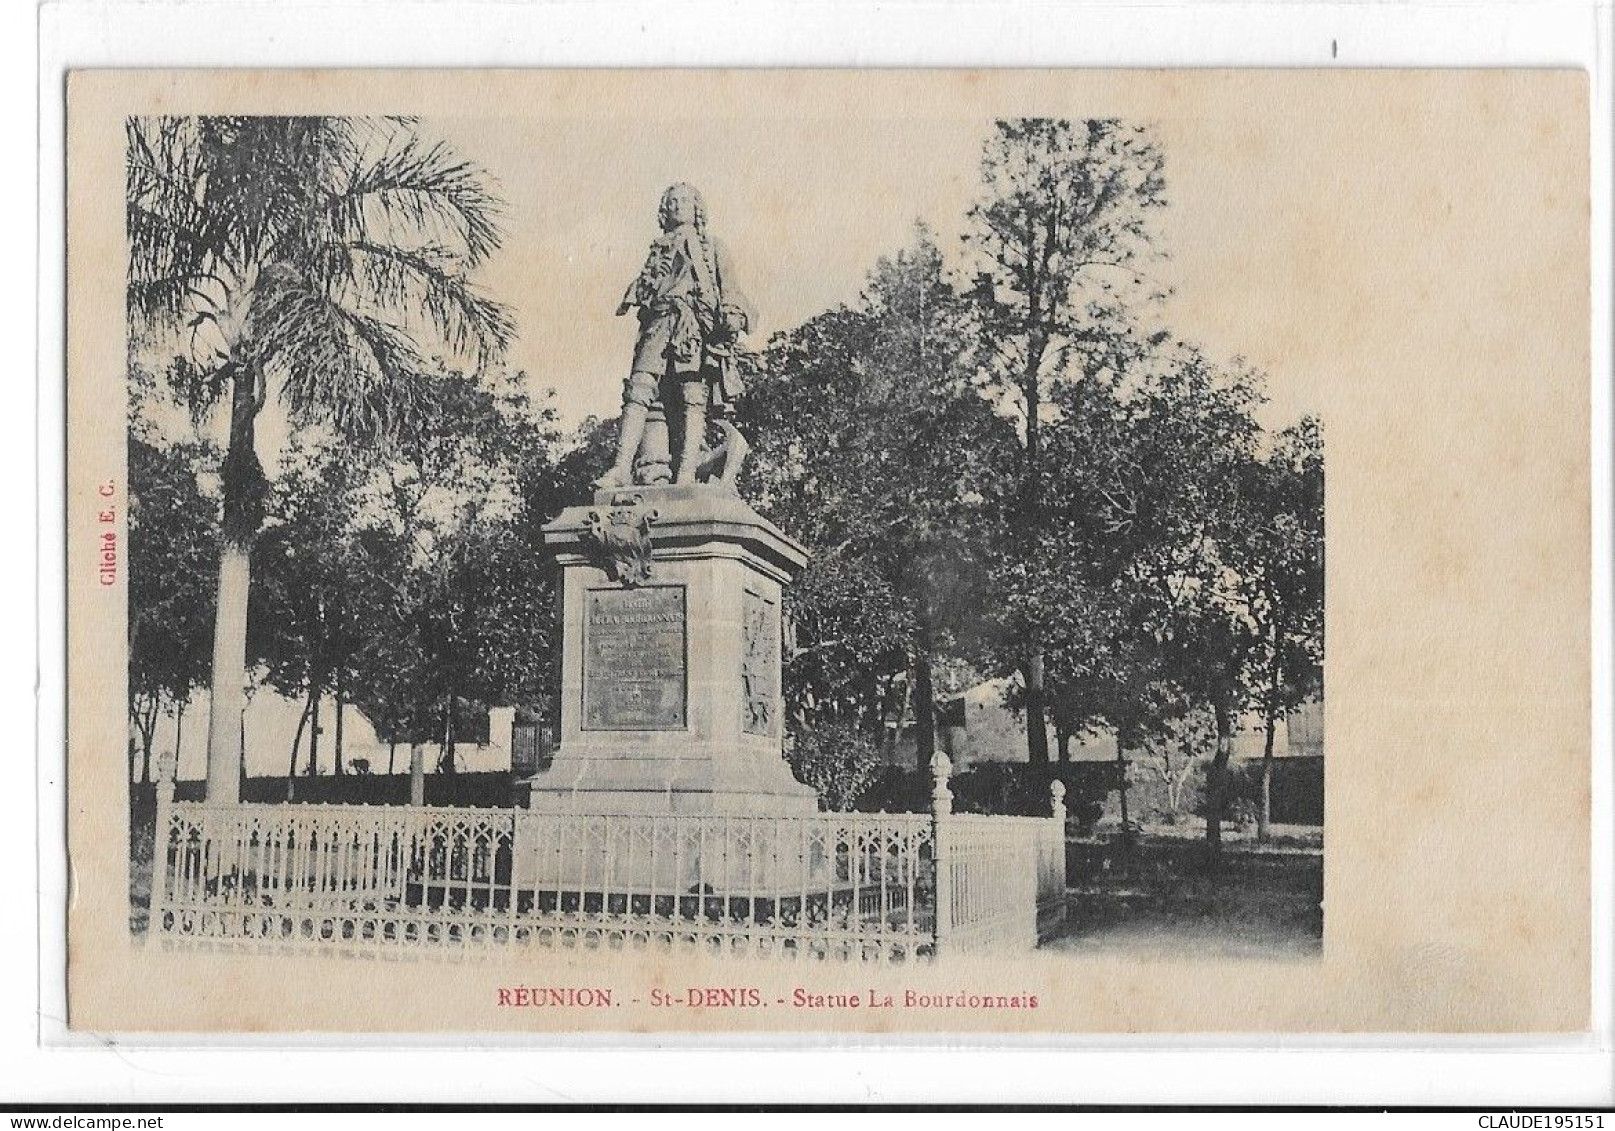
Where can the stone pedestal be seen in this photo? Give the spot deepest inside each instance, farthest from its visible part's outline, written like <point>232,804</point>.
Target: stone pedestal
<point>670,665</point>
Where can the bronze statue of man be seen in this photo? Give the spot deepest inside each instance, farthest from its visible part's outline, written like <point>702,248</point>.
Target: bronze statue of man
<point>691,318</point>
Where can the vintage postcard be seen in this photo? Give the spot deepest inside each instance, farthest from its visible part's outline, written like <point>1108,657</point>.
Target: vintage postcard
<point>876,553</point>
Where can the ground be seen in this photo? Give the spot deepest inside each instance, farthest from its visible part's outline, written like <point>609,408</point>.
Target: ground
<point>1155,898</point>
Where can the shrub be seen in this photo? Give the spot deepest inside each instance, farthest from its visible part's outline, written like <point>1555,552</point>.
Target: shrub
<point>1151,794</point>
<point>896,790</point>
<point>1017,789</point>
<point>1297,791</point>
<point>1001,788</point>
<point>837,760</point>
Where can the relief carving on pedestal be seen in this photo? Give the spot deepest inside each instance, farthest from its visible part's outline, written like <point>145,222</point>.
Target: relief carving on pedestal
<point>759,665</point>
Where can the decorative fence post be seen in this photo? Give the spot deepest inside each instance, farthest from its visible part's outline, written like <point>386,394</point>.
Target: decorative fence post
<point>160,833</point>
<point>1051,884</point>
<point>417,778</point>
<point>941,811</point>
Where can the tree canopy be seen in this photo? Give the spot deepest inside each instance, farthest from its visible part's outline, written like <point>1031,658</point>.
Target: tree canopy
<point>1004,463</point>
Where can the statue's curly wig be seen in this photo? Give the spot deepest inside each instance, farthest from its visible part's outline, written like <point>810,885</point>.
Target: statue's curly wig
<point>664,213</point>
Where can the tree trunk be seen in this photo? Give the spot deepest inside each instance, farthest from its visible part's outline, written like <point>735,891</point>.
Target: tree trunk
<point>923,703</point>
<point>1121,782</point>
<point>297,742</point>
<point>244,492</point>
<point>1062,743</point>
<point>179,733</point>
<point>445,761</point>
<point>316,693</point>
<point>1215,781</point>
<point>1265,817</point>
<point>1171,794</point>
<point>228,696</point>
<point>417,774</point>
<point>1037,734</point>
<point>148,736</point>
<point>1275,681</point>
<point>392,752</point>
<point>337,753</point>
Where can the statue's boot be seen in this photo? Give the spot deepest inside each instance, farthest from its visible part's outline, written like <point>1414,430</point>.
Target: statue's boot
<point>629,433</point>
<point>695,432</point>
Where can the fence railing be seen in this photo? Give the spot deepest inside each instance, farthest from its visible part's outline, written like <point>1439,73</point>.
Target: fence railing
<point>858,886</point>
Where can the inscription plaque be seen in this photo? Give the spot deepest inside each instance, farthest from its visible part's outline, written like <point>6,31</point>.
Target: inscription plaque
<point>633,659</point>
<point>759,665</point>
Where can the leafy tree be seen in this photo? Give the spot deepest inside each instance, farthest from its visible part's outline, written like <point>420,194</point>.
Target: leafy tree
<point>483,617</point>
<point>313,597</point>
<point>1280,562</point>
<point>1198,438</point>
<point>1107,491</point>
<point>590,446</point>
<point>1062,238</point>
<point>457,514</point>
<point>848,628</point>
<point>1176,568</point>
<point>410,581</point>
<point>1174,751</point>
<point>874,448</point>
<point>173,530</point>
<point>304,257</point>
<point>946,458</point>
<point>847,645</point>
<point>391,663</point>
<point>1072,584</point>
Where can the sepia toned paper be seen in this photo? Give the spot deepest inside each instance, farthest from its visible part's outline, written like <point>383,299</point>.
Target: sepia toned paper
<point>1404,253</point>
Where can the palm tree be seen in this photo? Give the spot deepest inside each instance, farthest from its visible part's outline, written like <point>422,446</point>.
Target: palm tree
<point>323,259</point>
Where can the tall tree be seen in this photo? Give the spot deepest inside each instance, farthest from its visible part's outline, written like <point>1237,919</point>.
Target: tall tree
<point>312,587</point>
<point>1067,576</point>
<point>302,258</point>
<point>849,628</point>
<point>875,447</point>
<point>1113,523</point>
<point>455,520</point>
<point>946,455</point>
<point>173,529</point>
<point>1197,427</point>
<point>1063,239</point>
<point>391,664</point>
<point>1280,562</point>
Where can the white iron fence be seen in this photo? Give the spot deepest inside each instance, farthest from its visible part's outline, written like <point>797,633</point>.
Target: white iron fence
<point>858,886</point>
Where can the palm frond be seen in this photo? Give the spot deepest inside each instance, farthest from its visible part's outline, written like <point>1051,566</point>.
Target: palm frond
<point>166,228</point>
<point>347,242</point>
<point>405,280</point>
<point>338,365</point>
<point>424,191</point>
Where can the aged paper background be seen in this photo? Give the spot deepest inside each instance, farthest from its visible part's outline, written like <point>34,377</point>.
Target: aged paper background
<point>1443,215</point>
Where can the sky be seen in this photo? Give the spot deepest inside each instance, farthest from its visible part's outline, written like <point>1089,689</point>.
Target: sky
<point>1403,253</point>
<point>805,206</point>
<point>809,181</point>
